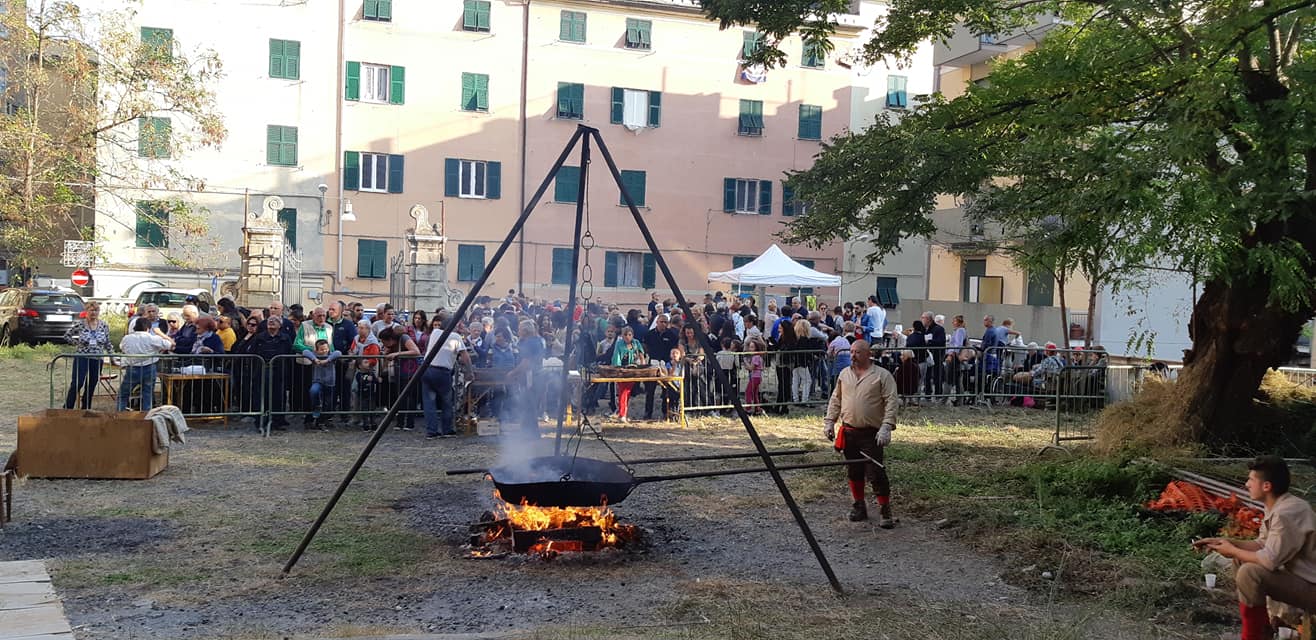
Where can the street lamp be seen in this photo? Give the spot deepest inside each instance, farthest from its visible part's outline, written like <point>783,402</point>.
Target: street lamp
<point>348,216</point>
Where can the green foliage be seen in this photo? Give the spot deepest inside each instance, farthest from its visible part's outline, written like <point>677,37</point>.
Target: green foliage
<point>1129,136</point>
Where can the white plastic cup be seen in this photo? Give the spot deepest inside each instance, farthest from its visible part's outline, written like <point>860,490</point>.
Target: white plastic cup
<point>1210,581</point>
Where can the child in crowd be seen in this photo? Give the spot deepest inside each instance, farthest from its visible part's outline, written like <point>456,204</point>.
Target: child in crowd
<point>756,347</point>
<point>322,380</point>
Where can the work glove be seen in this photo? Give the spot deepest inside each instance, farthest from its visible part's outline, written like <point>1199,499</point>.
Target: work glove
<point>829,431</point>
<point>884,435</point>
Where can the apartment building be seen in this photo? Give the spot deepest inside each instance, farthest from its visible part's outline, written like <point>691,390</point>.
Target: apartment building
<point>462,106</point>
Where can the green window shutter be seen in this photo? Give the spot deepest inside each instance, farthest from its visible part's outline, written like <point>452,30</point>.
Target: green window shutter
<point>570,100</point>
<point>285,59</point>
<point>639,34</point>
<point>751,118</point>
<point>897,96</point>
<point>655,108</point>
<point>561,266</point>
<point>810,122</point>
<point>475,92</point>
<point>765,197</point>
<point>813,56</point>
<point>573,26</point>
<point>151,219</point>
<point>567,184</point>
<point>385,10</point>
<point>482,15</point>
<point>470,262</point>
<point>397,91</point>
<point>153,137</point>
<point>650,269</point>
<point>618,105</point>
<point>370,10</point>
<point>753,42</point>
<point>610,269</point>
<point>1041,289</point>
<point>292,60</point>
<point>143,137</point>
<point>395,173</point>
<point>493,188</point>
<point>353,80</point>
<point>452,176</point>
<point>371,256</point>
<point>273,143</point>
<point>634,182</point>
<point>288,218</point>
<point>469,102</point>
<point>351,170</point>
<point>787,200</point>
<point>729,195</point>
<point>475,15</point>
<point>159,41</point>
<point>276,58</point>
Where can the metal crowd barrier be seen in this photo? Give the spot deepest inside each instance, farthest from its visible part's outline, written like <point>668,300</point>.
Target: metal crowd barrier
<point>363,387</point>
<point>205,386</point>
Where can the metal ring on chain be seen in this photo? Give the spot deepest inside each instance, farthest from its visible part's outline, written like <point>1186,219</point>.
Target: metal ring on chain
<point>587,241</point>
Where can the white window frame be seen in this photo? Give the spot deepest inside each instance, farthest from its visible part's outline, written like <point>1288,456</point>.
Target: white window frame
<point>375,78</point>
<point>474,179</point>
<point>630,269</point>
<point>631,101</point>
<point>378,165</point>
<point>747,196</point>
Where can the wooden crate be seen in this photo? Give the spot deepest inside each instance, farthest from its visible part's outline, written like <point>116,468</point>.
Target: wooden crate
<point>71,443</point>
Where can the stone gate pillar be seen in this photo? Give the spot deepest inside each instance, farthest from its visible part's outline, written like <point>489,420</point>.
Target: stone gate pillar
<point>427,265</point>
<point>262,256</point>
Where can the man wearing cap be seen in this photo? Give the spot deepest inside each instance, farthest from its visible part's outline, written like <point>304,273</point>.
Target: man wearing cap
<point>864,401</point>
<point>1049,366</point>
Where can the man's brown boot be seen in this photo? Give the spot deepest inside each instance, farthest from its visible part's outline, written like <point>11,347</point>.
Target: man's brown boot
<point>885,520</point>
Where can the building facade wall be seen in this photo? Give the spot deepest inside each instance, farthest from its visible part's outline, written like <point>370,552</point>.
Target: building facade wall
<point>235,175</point>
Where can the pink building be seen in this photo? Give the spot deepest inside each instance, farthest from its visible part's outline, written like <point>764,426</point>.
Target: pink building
<point>704,148</point>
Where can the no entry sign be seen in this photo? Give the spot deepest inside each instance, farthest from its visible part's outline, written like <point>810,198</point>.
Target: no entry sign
<point>80,278</point>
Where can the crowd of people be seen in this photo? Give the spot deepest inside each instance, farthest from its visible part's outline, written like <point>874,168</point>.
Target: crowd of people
<point>340,362</point>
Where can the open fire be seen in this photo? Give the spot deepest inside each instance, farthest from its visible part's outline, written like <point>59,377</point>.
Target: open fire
<point>547,531</point>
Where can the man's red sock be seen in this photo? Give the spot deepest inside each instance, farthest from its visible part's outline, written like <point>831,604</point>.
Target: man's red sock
<point>857,490</point>
<point>1256,622</point>
<point>883,501</point>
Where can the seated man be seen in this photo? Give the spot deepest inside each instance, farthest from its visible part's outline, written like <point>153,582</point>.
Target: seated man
<point>1049,366</point>
<point>1281,563</point>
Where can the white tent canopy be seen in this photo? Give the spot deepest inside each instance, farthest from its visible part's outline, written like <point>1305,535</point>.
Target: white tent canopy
<point>775,268</point>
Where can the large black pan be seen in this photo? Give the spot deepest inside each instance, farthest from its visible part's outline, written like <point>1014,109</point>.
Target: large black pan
<point>563,481</point>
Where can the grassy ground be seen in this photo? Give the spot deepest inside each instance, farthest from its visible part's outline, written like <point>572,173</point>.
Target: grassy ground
<point>972,486</point>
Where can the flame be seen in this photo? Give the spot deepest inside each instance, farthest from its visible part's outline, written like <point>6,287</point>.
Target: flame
<point>528,517</point>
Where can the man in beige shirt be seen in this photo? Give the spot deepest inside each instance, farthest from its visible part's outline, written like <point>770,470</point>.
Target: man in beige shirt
<point>1281,563</point>
<point>864,401</point>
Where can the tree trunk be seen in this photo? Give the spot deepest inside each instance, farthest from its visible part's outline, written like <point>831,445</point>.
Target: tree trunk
<point>1064,311</point>
<point>1094,286</point>
<point>1237,336</point>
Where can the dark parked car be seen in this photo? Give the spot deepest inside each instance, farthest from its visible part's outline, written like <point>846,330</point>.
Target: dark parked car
<point>36,315</point>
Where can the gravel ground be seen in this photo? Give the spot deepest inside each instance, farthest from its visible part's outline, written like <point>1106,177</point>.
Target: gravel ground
<point>196,551</point>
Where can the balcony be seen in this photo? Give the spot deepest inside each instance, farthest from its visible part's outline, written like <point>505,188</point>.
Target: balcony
<point>965,48</point>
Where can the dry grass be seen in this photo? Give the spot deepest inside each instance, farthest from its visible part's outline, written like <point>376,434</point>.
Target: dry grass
<point>1146,423</point>
<point>1149,424</point>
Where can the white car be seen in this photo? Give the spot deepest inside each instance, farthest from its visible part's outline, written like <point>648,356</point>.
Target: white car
<point>170,300</point>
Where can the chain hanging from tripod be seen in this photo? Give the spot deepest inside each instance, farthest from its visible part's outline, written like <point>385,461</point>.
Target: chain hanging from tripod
<point>587,242</point>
